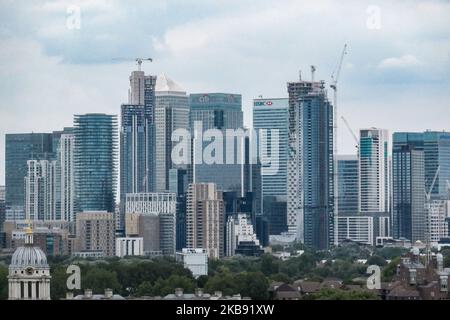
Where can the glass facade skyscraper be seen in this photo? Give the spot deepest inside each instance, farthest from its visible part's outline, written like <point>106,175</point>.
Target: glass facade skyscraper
<point>313,146</point>
<point>437,154</point>
<point>348,184</point>
<point>19,149</point>
<point>95,161</point>
<point>374,182</point>
<point>408,182</point>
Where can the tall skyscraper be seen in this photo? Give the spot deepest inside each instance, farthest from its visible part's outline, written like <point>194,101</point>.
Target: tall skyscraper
<point>437,154</point>
<point>40,202</point>
<point>65,177</point>
<point>270,115</point>
<point>348,184</point>
<point>142,92</point>
<point>409,218</point>
<point>205,219</point>
<point>219,111</point>
<point>2,210</point>
<point>19,149</point>
<point>295,219</point>
<point>374,182</point>
<point>311,215</point>
<point>95,156</point>
<point>171,113</point>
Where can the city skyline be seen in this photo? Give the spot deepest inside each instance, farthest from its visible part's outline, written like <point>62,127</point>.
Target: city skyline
<point>385,82</point>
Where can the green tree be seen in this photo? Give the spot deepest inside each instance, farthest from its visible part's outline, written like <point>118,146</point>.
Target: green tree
<point>163,287</point>
<point>253,284</point>
<point>223,282</point>
<point>376,260</point>
<point>99,279</point>
<point>3,282</point>
<point>390,270</point>
<point>144,289</point>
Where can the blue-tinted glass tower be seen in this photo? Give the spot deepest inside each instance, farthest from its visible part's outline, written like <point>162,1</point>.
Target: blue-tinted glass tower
<point>95,157</point>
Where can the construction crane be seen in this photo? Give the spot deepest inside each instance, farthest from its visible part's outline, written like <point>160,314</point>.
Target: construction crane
<point>351,132</point>
<point>139,61</point>
<point>428,211</point>
<point>334,82</point>
<point>313,70</point>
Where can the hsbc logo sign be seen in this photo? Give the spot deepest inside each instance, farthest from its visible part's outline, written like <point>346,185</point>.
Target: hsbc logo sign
<point>263,103</point>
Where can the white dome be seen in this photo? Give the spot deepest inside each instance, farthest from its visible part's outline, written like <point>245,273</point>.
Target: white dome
<point>28,256</point>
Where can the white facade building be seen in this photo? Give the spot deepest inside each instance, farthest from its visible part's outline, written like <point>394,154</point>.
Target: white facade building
<point>438,215</point>
<point>129,247</point>
<point>195,260</point>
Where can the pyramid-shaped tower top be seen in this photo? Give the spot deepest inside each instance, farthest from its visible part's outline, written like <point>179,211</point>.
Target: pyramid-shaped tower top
<point>165,85</point>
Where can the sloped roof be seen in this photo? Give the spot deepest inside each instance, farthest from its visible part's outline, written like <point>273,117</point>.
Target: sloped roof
<point>165,84</point>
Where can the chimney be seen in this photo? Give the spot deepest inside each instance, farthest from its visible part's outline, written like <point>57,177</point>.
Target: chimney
<point>199,292</point>
<point>69,295</point>
<point>179,292</point>
<point>88,293</point>
<point>108,293</point>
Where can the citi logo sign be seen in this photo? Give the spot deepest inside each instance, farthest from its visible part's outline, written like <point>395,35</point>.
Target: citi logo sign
<point>263,103</point>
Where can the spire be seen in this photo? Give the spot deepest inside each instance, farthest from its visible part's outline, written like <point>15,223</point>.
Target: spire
<point>29,234</point>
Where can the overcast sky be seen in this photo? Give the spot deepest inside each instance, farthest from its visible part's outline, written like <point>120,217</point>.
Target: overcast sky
<point>395,75</point>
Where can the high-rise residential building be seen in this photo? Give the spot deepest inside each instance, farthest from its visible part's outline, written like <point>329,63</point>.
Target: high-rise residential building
<point>178,184</point>
<point>311,164</point>
<point>240,234</point>
<point>348,184</point>
<point>205,219</point>
<point>219,111</point>
<point>95,232</point>
<point>40,192</point>
<point>171,113</point>
<point>129,247</point>
<point>155,216</point>
<point>65,177</point>
<point>409,217</point>
<point>142,92</point>
<point>437,154</point>
<point>294,213</point>
<point>95,156</point>
<point>439,220</point>
<point>134,173</point>
<point>2,210</point>
<point>19,148</point>
<point>374,171</point>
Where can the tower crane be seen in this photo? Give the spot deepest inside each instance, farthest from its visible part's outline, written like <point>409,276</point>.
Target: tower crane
<point>334,82</point>
<point>139,61</point>
<point>428,211</point>
<point>351,132</point>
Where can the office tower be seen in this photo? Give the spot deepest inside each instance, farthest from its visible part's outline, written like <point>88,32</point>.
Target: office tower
<point>275,208</point>
<point>311,167</point>
<point>95,162</point>
<point>374,171</point>
<point>171,113</point>
<point>95,232</point>
<point>348,184</point>
<point>409,218</point>
<point>19,149</point>
<point>178,184</point>
<point>142,92</point>
<point>156,220</point>
<point>271,121</point>
<point>437,154</point>
<point>219,111</point>
<point>40,192</point>
<point>205,219</point>
<point>65,177</point>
